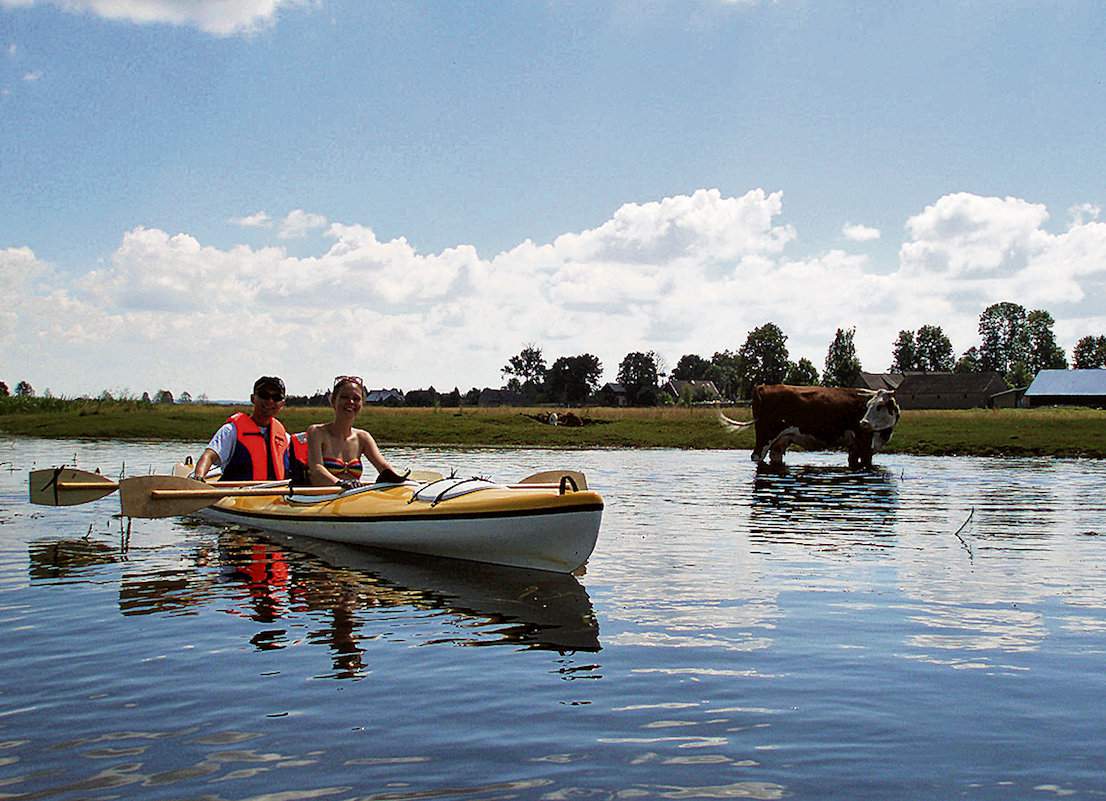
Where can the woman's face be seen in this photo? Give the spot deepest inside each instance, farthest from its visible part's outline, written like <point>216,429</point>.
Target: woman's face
<point>348,397</point>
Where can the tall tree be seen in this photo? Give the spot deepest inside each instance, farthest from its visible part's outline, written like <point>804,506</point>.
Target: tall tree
<point>1089,352</point>
<point>4,391</point>
<point>691,367</point>
<point>968,362</point>
<point>1003,343</point>
<point>802,373</point>
<point>638,374</point>
<point>725,372</point>
<point>527,373</point>
<point>842,364</point>
<point>24,390</point>
<point>935,353</point>
<point>528,366</point>
<point>1043,351</point>
<point>904,353</point>
<point>573,378</point>
<point>763,357</point>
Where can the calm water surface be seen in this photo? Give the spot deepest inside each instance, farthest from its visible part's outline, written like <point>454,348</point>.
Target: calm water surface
<point>935,629</point>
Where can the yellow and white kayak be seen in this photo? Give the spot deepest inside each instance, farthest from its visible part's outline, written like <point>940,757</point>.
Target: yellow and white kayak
<point>539,526</point>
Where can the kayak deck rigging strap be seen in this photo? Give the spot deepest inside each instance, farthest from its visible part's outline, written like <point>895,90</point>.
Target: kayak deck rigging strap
<point>455,488</point>
<point>314,499</point>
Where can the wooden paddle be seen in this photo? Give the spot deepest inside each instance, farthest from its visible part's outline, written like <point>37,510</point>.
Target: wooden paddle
<point>169,496</point>
<point>554,477</point>
<point>67,486</point>
<point>185,470</point>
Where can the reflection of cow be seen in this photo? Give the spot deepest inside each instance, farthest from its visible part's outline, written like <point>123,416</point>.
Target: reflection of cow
<point>820,417</point>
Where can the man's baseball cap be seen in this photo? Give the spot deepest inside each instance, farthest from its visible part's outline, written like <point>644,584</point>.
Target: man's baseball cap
<point>270,382</point>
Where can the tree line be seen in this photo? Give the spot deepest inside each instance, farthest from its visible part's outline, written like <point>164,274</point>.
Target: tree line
<point>1013,341</point>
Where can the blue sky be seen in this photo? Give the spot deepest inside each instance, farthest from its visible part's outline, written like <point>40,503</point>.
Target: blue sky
<point>194,193</point>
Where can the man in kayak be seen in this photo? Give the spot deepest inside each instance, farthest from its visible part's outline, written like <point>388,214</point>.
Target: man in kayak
<point>250,447</point>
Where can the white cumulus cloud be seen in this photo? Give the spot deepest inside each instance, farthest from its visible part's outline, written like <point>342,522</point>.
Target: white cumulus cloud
<point>685,274</point>
<point>1084,212</point>
<point>299,223</point>
<point>256,220</point>
<point>855,232</point>
<point>217,17</point>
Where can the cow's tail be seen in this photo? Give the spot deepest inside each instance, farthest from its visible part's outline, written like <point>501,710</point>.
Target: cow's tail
<point>733,425</point>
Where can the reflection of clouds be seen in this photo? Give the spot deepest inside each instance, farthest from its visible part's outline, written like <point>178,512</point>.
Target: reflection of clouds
<point>660,639</point>
<point>1083,625</point>
<point>994,629</point>
<point>764,791</point>
<point>1024,553</point>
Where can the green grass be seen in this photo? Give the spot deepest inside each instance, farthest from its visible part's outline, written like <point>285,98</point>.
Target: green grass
<point>1016,432</point>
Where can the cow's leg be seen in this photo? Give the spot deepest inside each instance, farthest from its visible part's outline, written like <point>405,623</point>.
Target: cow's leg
<point>860,458</point>
<point>778,447</point>
<point>764,438</point>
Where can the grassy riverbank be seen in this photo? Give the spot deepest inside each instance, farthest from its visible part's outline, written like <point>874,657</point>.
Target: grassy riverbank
<point>1016,432</point>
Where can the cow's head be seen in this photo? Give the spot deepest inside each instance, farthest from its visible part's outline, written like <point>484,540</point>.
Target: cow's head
<point>881,415</point>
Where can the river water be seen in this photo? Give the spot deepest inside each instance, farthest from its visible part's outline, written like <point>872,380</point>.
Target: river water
<point>934,629</point>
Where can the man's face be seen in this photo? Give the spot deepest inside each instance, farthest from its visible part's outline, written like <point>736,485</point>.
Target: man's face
<point>267,403</point>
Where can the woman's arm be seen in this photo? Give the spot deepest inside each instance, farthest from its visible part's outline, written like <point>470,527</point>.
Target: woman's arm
<point>316,473</point>
<point>369,449</point>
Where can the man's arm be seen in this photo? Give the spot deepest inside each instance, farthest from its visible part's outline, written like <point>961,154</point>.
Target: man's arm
<point>217,452</point>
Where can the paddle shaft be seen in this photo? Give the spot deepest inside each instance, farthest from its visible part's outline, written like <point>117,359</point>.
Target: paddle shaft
<point>215,492</point>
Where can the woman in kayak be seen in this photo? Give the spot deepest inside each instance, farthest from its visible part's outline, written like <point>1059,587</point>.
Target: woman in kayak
<point>334,449</point>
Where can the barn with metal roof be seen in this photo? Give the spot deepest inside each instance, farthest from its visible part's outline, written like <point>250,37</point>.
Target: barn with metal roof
<point>1068,388</point>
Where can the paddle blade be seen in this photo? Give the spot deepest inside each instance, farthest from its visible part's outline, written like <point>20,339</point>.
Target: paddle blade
<point>137,496</point>
<point>67,486</point>
<point>425,476</point>
<point>554,477</point>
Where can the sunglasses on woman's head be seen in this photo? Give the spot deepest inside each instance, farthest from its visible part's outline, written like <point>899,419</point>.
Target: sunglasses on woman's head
<point>341,379</point>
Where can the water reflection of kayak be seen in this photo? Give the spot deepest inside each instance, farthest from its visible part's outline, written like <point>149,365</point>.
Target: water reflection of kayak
<point>534,608</point>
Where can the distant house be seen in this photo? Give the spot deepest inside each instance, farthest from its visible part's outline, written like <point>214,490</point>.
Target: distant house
<point>949,390</point>
<point>421,397</point>
<point>1010,399</point>
<point>383,397</point>
<point>612,395</point>
<point>1068,388</point>
<point>499,397</point>
<point>880,380</point>
<point>699,391</point>
<point>940,390</point>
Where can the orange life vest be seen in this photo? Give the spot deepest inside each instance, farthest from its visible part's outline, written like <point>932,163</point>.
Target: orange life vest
<point>297,458</point>
<point>256,458</point>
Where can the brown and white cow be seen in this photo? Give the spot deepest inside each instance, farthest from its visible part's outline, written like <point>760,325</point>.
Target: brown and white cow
<point>820,417</point>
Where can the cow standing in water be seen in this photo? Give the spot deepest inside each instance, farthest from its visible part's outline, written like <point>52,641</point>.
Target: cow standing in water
<point>820,417</point>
